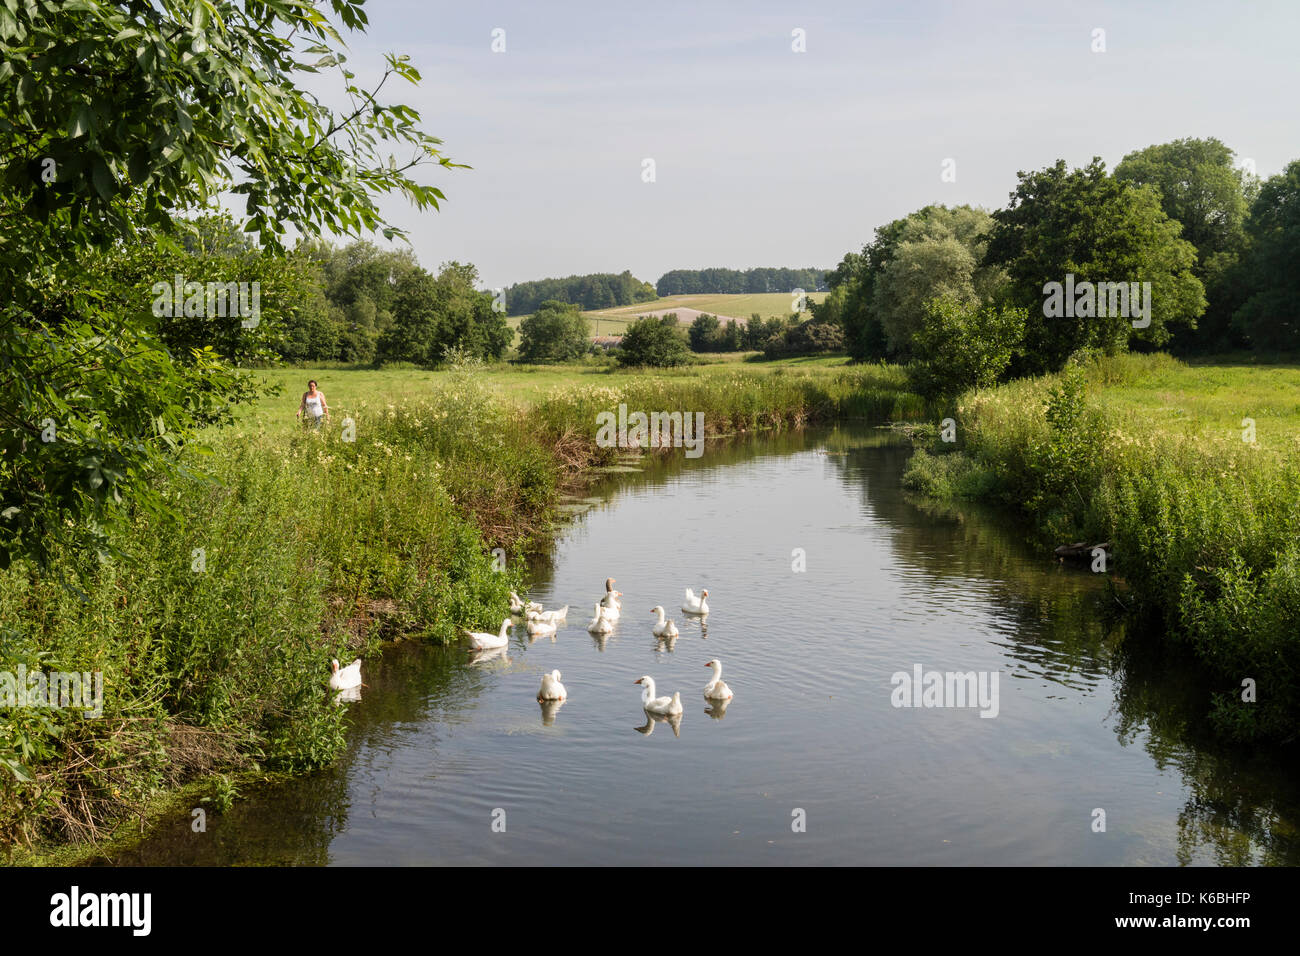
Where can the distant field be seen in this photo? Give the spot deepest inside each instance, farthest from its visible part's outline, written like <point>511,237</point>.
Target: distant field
<point>766,304</point>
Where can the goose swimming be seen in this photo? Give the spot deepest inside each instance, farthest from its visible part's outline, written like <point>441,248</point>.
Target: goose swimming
<point>696,605</point>
<point>483,641</point>
<point>668,706</point>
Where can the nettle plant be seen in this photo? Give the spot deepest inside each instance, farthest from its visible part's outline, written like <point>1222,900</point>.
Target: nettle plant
<point>117,122</point>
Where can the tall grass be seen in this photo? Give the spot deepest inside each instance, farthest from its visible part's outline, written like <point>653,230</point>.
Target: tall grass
<point>1204,526</point>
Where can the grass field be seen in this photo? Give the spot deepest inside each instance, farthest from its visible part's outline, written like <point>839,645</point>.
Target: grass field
<point>345,389</point>
<point>768,304</point>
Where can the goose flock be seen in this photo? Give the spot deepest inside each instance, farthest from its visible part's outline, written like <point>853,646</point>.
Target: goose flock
<point>605,613</point>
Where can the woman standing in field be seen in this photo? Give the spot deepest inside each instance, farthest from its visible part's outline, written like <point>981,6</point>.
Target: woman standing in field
<point>314,405</point>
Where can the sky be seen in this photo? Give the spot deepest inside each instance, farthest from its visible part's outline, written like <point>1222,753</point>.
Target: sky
<point>764,156</point>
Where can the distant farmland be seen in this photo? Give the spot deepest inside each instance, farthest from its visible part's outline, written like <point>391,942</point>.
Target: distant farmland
<point>687,307</point>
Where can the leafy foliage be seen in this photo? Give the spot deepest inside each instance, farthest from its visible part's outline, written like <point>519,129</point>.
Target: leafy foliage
<point>556,332</point>
<point>1270,317</point>
<point>961,346</point>
<point>119,119</point>
<point>1085,223</point>
<point>736,281</point>
<point>654,341</point>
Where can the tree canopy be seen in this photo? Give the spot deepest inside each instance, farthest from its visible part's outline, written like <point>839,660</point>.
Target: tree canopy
<point>556,332</point>
<point>1084,226</point>
<point>120,121</point>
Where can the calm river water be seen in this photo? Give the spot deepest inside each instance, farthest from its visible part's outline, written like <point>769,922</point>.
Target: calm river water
<point>811,762</point>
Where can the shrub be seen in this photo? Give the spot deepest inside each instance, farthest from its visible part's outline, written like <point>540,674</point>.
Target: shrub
<point>556,332</point>
<point>961,346</point>
<point>654,341</point>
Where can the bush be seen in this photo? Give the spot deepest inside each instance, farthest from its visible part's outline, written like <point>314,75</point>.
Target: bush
<point>654,341</point>
<point>961,346</point>
<point>557,332</point>
<point>807,338</point>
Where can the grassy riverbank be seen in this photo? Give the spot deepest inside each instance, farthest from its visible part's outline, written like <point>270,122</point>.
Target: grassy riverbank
<point>1192,473</point>
<point>214,632</point>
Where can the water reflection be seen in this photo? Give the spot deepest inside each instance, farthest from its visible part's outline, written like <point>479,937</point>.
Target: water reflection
<point>672,720</point>
<point>549,709</point>
<point>490,655</point>
<point>717,709</point>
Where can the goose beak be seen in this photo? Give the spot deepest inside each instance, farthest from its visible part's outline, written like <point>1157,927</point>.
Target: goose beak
<point>637,681</point>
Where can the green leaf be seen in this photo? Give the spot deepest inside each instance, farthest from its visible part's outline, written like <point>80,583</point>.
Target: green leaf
<point>81,122</point>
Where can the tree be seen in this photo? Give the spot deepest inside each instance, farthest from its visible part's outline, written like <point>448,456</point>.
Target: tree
<point>704,333</point>
<point>118,120</point>
<point>807,338</point>
<point>920,271</point>
<point>434,313</point>
<point>654,341</point>
<point>963,345</point>
<point>1270,317</point>
<point>880,302</point>
<point>556,332</point>
<point>1085,224</point>
<point>1203,189</point>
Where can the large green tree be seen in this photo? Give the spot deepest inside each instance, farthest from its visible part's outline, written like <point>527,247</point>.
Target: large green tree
<point>117,119</point>
<point>1270,317</point>
<point>1085,224</point>
<point>879,295</point>
<point>432,314</point>
<point>1203,188</point>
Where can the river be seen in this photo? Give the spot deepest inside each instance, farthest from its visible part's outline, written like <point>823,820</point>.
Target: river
<point>825,580</point>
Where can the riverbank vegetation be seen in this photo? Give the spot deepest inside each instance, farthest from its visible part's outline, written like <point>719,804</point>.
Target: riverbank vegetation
<point>285,547</point>
<point>1190,474</point>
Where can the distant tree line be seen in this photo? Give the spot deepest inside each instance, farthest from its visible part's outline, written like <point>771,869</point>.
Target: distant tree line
<point>602,290</point>
<point>356,303</point>
<point>738,281</point>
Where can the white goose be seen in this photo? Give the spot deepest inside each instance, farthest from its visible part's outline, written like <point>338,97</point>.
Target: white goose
<point>346,678</point>
<point>599,624</point>
<point>662,628</point>
<point>669,706</point>
<point>552,617</point>
<point>538,626</point>
<point>483,642</point>
<point>696,605</point>
<point>519,606</point>
<point>552,689</point>
<point>610,605</point>
<point>717,688</point>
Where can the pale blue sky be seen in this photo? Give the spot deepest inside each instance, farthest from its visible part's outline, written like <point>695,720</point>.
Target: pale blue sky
<point>766,157</point>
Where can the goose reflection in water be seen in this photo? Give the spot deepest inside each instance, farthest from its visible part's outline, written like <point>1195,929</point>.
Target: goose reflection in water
<point>348,696</point>
<point>691,623</point>
<point>672,720</point>
<point>717,709</point>
<point>665,644</point>
<point>490,655</point>
<point>549,709</point>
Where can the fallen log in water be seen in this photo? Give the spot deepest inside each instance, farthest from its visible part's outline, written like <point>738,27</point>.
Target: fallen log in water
<point>1080,551</point>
